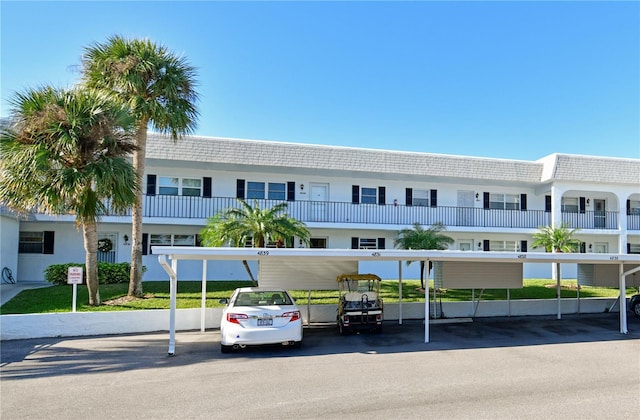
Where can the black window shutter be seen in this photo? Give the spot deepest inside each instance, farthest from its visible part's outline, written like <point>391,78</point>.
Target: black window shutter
<point>382,195</point>
<point>291,191</point>
<point>583,204</point>
<point>485,245</point>
<point>523,201</point>
<point>628,207</point>
<point>206,187</point>
<point>486,200</point>
<point>381,243</point>
<point>240,188</point>
<point>355,243</point>
<point>583,247</point>
<point>434,198</point>
<point>408,197</point>
<point>355,194</point>
<point>145,244</point>
<point>523,246</point>
<point>49,239</point>
<point>547,203</point>
<point>198,240</point>
<point>151,185</point>
<point>628,248</point>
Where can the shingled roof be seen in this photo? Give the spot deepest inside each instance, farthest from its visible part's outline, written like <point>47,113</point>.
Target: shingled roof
<point>309,157</point>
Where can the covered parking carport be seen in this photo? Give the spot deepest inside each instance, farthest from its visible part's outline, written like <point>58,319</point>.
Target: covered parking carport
<point>489,265</point>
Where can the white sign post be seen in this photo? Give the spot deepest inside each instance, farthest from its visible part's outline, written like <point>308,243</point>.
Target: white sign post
<point>74,276</point>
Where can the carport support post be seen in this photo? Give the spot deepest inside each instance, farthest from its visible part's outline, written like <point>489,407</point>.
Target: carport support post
<point>400,292</point>
<point>623,301</point>
<point>559,316</point>
<point>426,317</point>
<point>204,295</point>
<point>173,290</point>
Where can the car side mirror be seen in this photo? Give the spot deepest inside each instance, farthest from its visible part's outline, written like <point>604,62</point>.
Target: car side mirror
<point>224,300</point>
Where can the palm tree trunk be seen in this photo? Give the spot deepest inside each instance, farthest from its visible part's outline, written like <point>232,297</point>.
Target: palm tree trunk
<point>246,267</point>
<point>135,275</point>
<point>90,234</point>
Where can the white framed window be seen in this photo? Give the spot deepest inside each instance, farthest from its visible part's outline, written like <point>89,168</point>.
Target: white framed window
<point>318,243</point>
<point>369,195</point>
<point>465,245</point>
<point>31,243</point>
<point>179,186</point>
<point>255,190</point>
<point>277,191</point>
<point>634,248</point>
<point>503,246</point>
<point>168,239</point>
<point>420,197</point>
<point>368,243</point>
<point>570,204</point>
<point>600,247</point>
<point>504,201</point>
<point>634,207</point>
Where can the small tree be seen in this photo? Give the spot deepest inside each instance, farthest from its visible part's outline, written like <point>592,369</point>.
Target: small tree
<point>556,239</point>
<point>419,238</point>
<point>235,226</point>
<point>65,152</point>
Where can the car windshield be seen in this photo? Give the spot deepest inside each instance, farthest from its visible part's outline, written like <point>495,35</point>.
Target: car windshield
<point>265,297</point>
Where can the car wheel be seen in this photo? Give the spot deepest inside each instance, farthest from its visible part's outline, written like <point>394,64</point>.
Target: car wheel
<point>636,308</point>
<point>225,349</point>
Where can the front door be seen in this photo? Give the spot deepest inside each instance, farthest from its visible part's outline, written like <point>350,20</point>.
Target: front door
<point>465,208</point>
<point>107,246</point>
<point>599,214</point>
<point>319,202</point>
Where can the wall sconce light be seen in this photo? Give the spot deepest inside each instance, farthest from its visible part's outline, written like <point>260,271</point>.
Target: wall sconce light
<point>477,196</point>
<point>479,244</point>
<point>126,239</point>
<point>588,201</point>
<point>395,202</point>
<point>590,247</point>
<point>302,186</point>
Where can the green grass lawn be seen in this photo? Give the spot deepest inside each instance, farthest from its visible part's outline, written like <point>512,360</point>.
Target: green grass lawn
<point>58,298</point>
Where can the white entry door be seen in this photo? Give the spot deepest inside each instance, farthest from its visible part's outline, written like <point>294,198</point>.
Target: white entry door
<point>464,213</point>
<point>319,202</point>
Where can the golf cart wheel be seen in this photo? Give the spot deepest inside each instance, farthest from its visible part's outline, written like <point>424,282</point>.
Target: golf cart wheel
<point>636,309</point>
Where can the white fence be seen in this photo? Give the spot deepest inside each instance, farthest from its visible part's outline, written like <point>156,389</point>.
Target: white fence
<point>14,327</point>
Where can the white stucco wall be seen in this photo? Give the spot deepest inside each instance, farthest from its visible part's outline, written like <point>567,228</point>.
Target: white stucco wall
<point>9,234</point>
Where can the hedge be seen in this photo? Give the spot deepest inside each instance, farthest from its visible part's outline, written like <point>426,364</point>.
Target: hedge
<point>108,273</point>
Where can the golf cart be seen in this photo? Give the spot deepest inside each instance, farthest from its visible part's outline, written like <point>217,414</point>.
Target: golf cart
<point>360,306</point>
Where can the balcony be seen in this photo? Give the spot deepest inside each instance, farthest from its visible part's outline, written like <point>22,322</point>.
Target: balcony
<point>186,207</point>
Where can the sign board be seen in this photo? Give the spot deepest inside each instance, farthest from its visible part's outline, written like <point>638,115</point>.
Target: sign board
<point>74,275</point>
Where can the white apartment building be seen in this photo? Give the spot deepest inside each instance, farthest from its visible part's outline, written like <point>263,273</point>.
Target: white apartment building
<point>349,198</point>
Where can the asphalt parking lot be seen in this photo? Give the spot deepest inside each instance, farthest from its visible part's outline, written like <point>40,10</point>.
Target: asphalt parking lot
<point>579,367</point>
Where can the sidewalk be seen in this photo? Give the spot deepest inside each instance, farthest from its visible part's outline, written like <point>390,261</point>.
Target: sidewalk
<point>9,291</point>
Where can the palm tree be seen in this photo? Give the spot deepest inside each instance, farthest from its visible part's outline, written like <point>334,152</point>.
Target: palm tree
<point>235,226</point>
<point>419,238</point>
<point>158,88</point>
<point>65,152</point>
<point>556,239</point>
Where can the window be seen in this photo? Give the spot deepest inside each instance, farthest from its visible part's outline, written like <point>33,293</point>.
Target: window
<point>369,195</point>
<point>277,191</point>
<point>421,197</point>
<point>36,242</point>
<point>505,246</point>
<point>368,243</point>
<point>255,190</point>
<point>166,239</point>
<point>31,242</point>
<point>634,207</point>
<point>180,186</point>
<point>634,248</point>
<point>570,204</point>
<point>317,242</point>
<point>504,201</point>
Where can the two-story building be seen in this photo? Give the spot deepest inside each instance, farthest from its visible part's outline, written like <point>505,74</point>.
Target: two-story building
<point>349,198</point>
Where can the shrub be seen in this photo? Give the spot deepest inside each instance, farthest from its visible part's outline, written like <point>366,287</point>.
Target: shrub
<point>108,273</point>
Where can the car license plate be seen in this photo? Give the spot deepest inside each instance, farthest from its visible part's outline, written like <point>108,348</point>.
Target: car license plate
<point>265,322</point>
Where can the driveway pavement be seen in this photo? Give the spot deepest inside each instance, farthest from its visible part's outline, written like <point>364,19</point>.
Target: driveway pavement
<point>579,367</point>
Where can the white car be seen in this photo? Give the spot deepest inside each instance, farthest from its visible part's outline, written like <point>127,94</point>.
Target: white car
<point>256,316</point>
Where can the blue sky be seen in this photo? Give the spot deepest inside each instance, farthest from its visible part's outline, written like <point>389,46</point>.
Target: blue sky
<point>516,80</point>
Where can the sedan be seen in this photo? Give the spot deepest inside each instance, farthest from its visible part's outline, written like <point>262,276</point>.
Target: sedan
<point>257,316</point>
